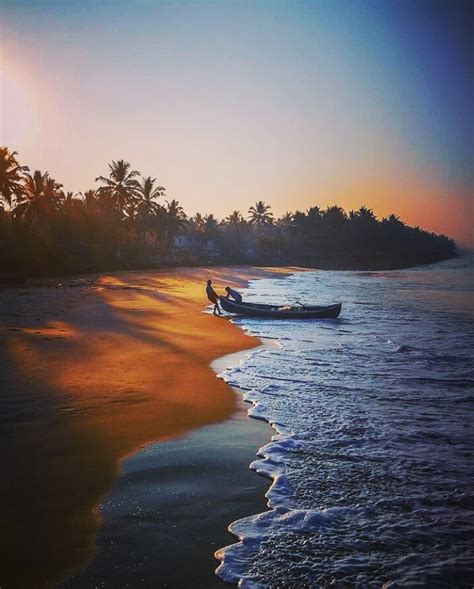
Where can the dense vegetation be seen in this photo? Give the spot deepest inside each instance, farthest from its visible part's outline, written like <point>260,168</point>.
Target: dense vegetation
<point>126,222</point>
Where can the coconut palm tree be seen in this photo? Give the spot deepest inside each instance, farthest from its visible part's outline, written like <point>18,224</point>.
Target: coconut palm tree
<point>175,220</point>
<point>40,199</point>
<point>314,216</point>
<point>89,198</point>
<point>364,229</point>
<point>235,219</point>
<point>70,202</point>
<point>203,228</point>
<point>211,228</point>
<point>286,221</point>
<point>11,175</point>
<point>366,215</point>
<point>260,214</point>
<point>334,218</point>
<point>394,221</point>
<point>196,225</point>
<point>158,224</point>
<point>195,228</point>
<point>121,189</point>
<point>95,229</point>
<point>147,195</point>
<point>146,207</point>
<point>70,219</point>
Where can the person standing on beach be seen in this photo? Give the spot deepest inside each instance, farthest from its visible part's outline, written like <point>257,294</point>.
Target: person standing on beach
<point>213,297</point>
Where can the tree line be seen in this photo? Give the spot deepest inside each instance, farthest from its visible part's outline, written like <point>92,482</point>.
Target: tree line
<point>126,221</point>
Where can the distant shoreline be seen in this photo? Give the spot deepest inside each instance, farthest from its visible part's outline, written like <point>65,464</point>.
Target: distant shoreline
<point>125,223</point>
<point>14,279</point>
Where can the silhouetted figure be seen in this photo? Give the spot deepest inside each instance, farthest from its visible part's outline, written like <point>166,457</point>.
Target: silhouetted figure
<point>231,293</point>
<point>213,297</point>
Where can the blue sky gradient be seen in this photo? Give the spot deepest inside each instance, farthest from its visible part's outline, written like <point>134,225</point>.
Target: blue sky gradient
<point>296,103</point>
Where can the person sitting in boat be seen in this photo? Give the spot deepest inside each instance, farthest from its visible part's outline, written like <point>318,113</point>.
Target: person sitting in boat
<point>234,294</point>
<point>213,297</point>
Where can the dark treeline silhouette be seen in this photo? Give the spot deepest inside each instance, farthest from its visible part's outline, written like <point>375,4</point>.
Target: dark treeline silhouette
<point>125,221</point>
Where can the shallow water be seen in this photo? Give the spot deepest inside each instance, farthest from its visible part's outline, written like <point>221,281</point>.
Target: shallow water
<point>372,467</point>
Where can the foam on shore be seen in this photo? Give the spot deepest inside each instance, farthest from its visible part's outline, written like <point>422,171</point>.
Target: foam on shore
<point>371,481</point>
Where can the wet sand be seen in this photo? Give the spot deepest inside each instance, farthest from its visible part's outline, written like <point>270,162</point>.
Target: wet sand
<point>92,370</point>
<point>169,510</point>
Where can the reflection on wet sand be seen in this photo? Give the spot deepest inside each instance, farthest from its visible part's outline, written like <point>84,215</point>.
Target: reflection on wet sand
<point>91,371</point>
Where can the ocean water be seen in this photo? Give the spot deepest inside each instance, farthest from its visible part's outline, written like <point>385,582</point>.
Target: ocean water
<point>372,463</point>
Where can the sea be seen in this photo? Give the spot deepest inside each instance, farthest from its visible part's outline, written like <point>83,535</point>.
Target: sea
<point>371,465</point>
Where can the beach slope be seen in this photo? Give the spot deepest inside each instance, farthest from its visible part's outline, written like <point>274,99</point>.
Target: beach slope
<point>93,369</point>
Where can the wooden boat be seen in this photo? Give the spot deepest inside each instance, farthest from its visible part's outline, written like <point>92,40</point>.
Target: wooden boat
<point>280,311</point>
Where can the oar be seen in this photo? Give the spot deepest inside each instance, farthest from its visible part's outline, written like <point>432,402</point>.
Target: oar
<point>299,303</point>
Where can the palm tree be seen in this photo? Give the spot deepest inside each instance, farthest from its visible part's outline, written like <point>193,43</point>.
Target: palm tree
<point>158,224</point>
<point>299,220</point>
<point>89,198</point>
<point>146,205</point>
<point>196,225</point>
<point>195,228</point>
<point>121,189</point>
<point>204,228</point>
<point>235,219</point>
<point>95,228</point>
<point>314,216</point>
<point>71,217</point>
<point>364,229</point>
<point>334,217</point>
<point>211,228</point>
<point>40,199</point>
<point>147,195</point>
<point>260,214</point>
<point>286,220</point>
<point>366,215</point>
<point>11,175</point>
<point>69,201</point>
<point>394,221</point>
<point>175,220</point>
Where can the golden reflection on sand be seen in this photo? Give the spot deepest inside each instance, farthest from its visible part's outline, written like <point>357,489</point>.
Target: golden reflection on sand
<point>91,375</point>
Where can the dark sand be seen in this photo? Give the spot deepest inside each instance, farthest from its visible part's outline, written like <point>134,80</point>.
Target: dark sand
<point>90,372</point>
<point>168,512</point>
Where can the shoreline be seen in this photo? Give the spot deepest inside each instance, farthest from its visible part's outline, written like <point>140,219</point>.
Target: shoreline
<point>93,372</point>
<point>16,279</point>
<point>203,476</point>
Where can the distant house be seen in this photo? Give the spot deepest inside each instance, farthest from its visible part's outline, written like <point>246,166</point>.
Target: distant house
<point>186,243</point>
<point>212,248</point>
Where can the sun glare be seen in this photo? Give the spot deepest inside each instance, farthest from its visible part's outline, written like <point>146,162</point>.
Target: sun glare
<point>16,111</point>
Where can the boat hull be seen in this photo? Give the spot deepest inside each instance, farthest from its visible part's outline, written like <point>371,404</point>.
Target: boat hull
<point>280,312</point>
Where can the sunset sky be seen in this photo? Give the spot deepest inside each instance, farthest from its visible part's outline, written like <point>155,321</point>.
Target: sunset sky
<point>295,103</point>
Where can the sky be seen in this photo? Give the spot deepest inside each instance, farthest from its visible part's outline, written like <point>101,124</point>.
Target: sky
<point>297,103</point>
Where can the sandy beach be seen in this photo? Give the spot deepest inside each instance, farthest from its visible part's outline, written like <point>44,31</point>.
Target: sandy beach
<point>170,507</point>
<point>93,369</point>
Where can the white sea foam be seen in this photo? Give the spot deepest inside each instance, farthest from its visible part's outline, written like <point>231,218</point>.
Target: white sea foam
<point>371,460</point>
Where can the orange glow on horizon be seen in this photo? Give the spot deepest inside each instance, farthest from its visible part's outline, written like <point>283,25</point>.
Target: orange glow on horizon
<point>222,133</point>
<point>426,201</point>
